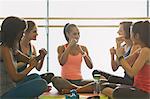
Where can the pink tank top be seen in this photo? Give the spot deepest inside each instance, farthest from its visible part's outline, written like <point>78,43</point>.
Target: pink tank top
<point>71,70</point>
<point>142,79</point>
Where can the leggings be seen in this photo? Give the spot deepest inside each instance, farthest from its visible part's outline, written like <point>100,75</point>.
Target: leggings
<point>129,92</point>
<point>126,80</point>
<point>45,76</point>
<point>30,87</point>
<point>80,82</point>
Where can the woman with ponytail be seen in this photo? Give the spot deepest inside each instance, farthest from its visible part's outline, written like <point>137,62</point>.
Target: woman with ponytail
<point>140,69</point>
<point>70,56</point>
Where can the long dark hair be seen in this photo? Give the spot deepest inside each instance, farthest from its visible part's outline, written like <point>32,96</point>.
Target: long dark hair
<point>11,28</point>
<point>142,28</point>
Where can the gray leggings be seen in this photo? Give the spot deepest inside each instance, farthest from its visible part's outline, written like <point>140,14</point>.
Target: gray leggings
<point>129,92</point>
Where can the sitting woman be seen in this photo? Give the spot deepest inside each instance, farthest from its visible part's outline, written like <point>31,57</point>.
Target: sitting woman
<point>140,69</point>
<point>26,47</point>
<point>129,48</point>
<point>27,87</point>
<point>70,56</point>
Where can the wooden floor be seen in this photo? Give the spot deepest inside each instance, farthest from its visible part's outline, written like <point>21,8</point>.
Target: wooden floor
<point>53,94</point>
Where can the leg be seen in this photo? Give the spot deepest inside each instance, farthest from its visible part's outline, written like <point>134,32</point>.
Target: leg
<point>119,80</point>
<point>89,88</point>
<point>27,90</point>
<point>80,82</point>
<point>108,91</point>
<point>60,84</point>
<point>106,75</point>
<point>123,92</point>
<point>29,78</point>
<point>47,77</point>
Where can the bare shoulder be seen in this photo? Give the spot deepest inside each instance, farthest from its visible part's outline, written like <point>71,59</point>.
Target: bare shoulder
<point>145,50</point>
<point>4,50</point>
<point>146,53</point>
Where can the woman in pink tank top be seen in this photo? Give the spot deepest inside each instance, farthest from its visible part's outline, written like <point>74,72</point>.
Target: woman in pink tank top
<point>140,69</point>
<point>70,57</point>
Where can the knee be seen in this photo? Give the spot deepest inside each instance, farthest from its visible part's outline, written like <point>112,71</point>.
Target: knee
<point>55,79</point>
<point>118,93</point>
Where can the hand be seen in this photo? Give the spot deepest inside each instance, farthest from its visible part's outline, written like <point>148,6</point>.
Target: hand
<point>33,62</point>
<point>112,51</point>
<point>42,52</point>
<point>120,52</point>
<point>72,42</point>
<point>120,40</point>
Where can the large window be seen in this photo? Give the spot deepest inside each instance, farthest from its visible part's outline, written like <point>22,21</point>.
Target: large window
<point>98,40</point>
<point>28,9</point>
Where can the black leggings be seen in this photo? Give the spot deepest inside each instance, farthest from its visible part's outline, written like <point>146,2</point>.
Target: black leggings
<point>129,92</point>
<point>115,79</point>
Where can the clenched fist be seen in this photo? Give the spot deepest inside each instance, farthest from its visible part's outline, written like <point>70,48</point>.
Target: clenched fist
<point>42,52</point>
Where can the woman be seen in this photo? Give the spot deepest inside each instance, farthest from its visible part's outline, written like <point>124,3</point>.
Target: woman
<point>12,30</point>
<point>26,47</point>
<point>140,69</point>
<point>124,36</point>
<point>70,57</point>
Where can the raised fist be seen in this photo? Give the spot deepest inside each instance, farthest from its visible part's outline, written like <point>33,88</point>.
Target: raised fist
<point>42,52</point>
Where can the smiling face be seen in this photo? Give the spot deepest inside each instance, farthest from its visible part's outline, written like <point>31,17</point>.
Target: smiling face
<point>121,31</point>
<point>74,33</point>
<point>32,34</point>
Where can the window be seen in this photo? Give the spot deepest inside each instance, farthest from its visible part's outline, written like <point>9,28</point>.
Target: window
<point>98,40</point>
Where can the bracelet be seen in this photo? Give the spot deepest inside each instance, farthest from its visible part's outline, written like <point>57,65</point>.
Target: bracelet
<point>121,57</point>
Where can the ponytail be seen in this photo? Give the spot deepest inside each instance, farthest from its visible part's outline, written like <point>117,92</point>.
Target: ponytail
<point>66,30</point>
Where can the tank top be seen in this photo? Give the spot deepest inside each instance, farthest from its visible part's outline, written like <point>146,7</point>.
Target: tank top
<point>20,69</point>
<point>71,70</point>
<point>6,82</point>
<point>142,79</point>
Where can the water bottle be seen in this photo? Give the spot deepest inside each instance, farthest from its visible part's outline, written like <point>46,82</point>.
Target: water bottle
<point>97,83</point>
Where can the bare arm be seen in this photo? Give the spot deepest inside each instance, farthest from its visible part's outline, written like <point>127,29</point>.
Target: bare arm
<point>139,63</point>
<point>114,62</point>
<point>62,54</point>
<point>43,53</point>
<point>86,56</point>
<point>10,65</point>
